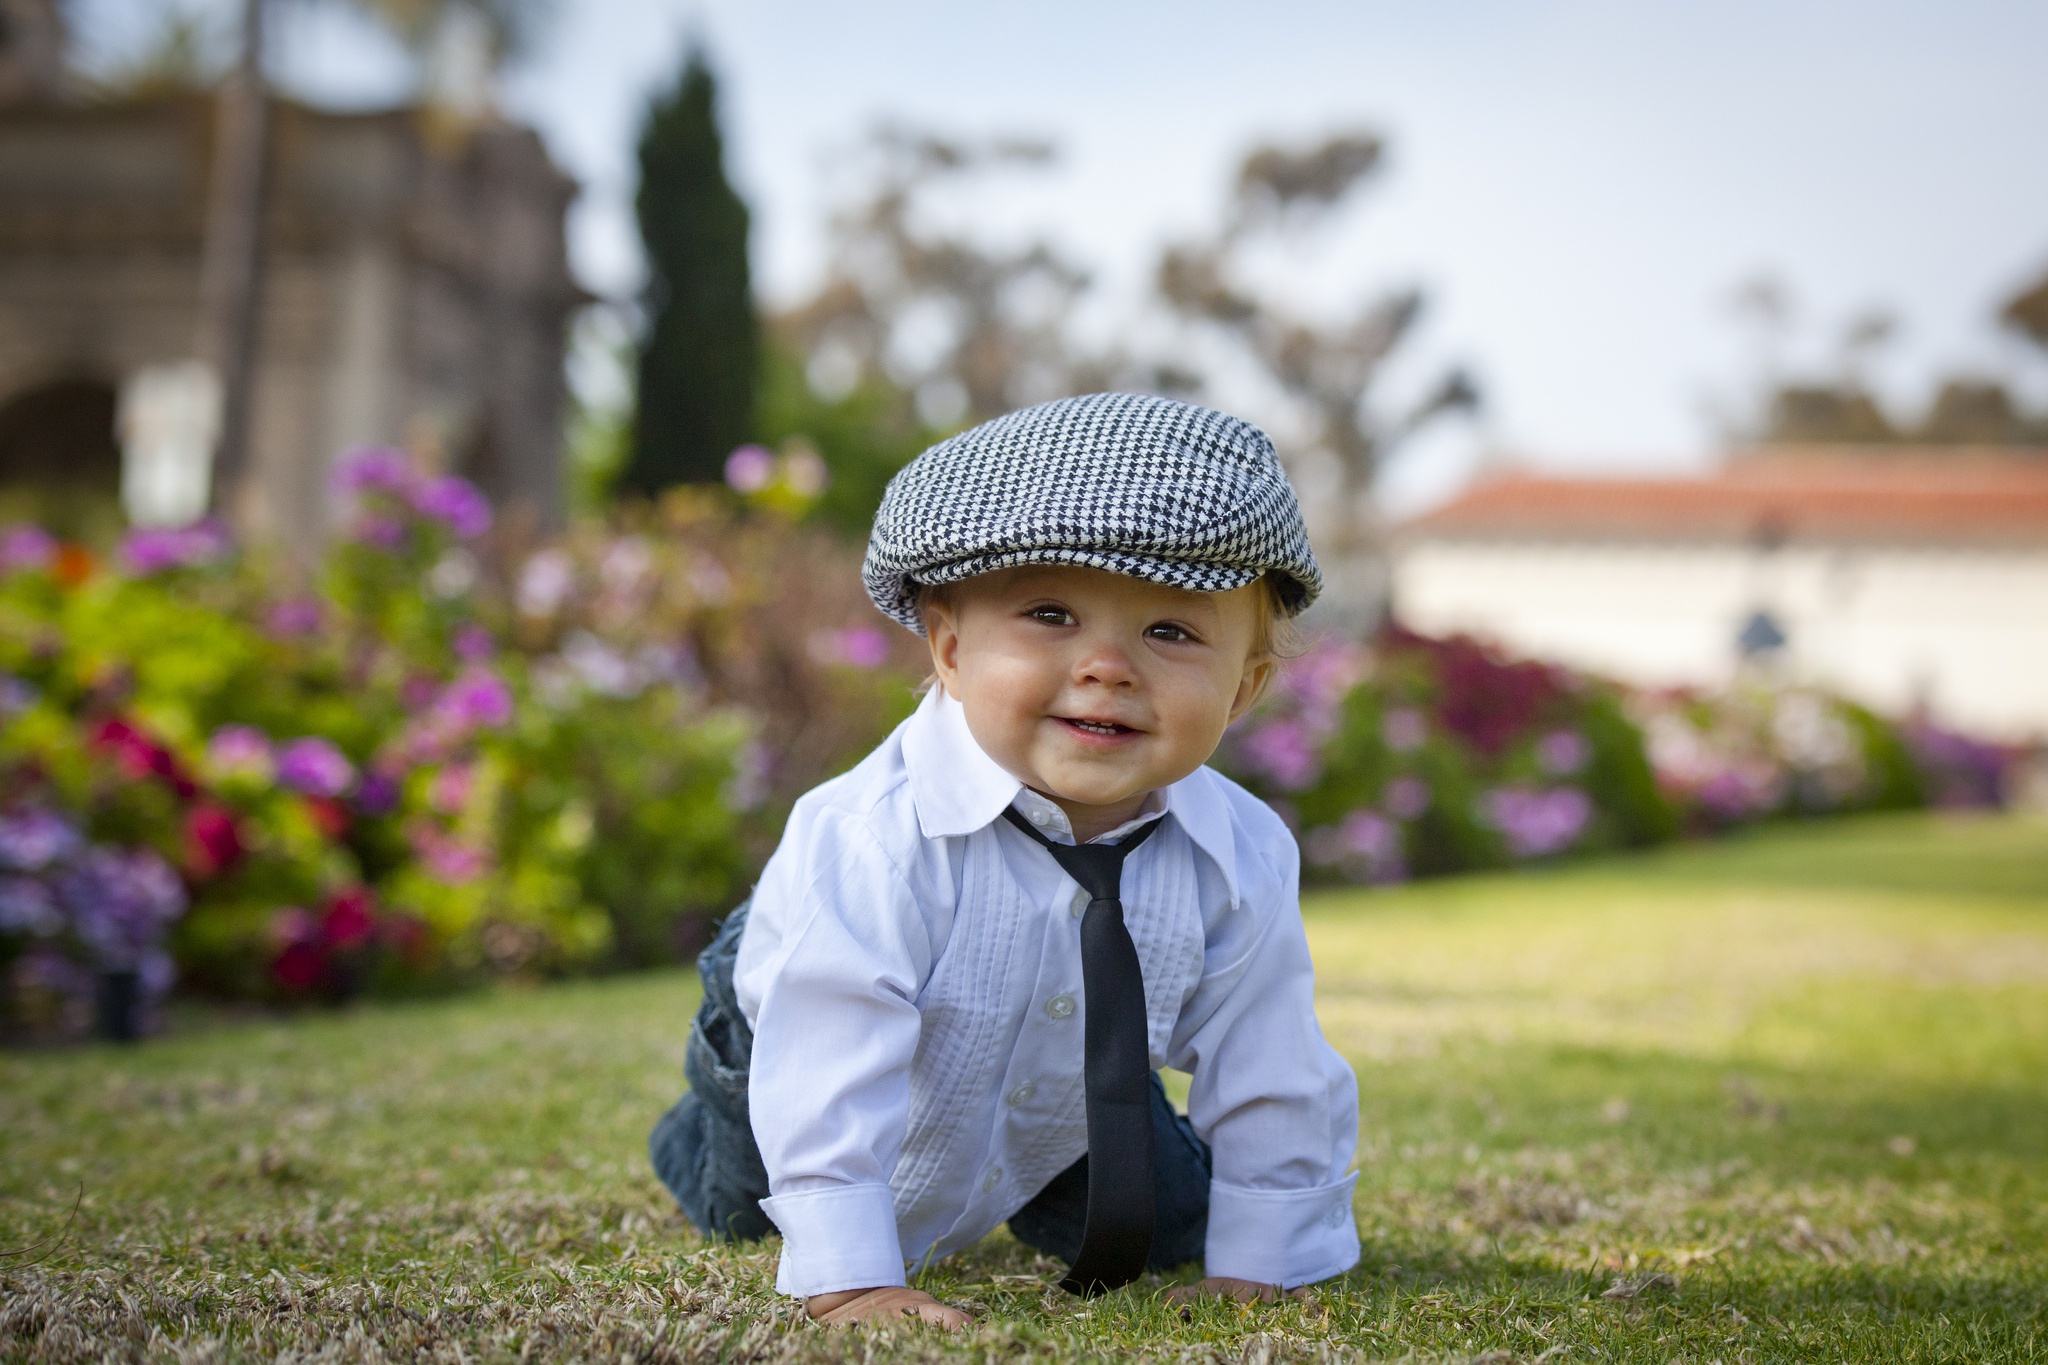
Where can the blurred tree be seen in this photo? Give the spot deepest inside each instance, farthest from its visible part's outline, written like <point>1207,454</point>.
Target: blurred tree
<point>2027,312</point>
<point>1328,368</point>
<point>963,329</point>
<point>701,352</point>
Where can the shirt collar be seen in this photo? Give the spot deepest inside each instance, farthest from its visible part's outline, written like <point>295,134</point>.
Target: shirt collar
<point>957,788</point>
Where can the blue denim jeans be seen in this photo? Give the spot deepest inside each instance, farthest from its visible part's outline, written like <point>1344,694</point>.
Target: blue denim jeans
<point>704,1149</point>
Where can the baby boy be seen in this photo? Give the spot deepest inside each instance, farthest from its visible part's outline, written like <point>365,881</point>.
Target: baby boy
<point>946,1004</point>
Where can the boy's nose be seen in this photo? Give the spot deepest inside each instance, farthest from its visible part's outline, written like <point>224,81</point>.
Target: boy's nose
<point>1104,662</point>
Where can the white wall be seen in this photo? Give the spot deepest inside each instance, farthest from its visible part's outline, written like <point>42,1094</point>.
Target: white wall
<point>1964,629</point>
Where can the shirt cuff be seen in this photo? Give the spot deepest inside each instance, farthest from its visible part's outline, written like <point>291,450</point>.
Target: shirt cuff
<point>838,1237</point>
<point>1283,1237</point>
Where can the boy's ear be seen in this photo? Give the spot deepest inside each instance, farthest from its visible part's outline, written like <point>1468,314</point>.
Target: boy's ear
<point>1258,671</point>
<point>942,634</point>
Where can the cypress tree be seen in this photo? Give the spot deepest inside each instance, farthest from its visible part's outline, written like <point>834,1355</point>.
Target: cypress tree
<point>702,346</point>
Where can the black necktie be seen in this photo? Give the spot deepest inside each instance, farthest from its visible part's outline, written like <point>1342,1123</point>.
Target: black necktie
<point>1117,1074</point>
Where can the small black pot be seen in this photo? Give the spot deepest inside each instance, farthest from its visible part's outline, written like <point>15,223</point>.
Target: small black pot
<point>117,1006</point>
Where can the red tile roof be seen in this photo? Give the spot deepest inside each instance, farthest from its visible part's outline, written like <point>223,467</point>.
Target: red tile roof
<point>1882,495</point>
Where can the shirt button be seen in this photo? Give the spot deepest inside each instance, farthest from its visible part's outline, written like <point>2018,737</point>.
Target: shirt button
<point>1060,1006</point>
<point>1039,817</point>
<point>1080,907</point>
<point>992,1179</point>
<point>1023,1093</point>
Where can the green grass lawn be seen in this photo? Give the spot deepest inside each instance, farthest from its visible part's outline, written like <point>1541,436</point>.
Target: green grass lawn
<point>1781,1098</point>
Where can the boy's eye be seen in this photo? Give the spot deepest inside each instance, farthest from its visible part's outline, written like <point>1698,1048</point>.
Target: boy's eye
<point>1168,631</point>
<point>1052,616</point>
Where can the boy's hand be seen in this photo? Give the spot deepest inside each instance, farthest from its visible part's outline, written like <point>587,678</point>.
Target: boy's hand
<point>883,1305</point>
<point>1229,1287</point>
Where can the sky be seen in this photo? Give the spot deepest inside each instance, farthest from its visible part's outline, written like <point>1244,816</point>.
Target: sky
<point>1577,186</point>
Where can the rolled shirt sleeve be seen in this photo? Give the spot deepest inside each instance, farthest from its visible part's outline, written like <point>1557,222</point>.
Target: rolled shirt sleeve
<point>837,963</point>
<point>1277,1105</point>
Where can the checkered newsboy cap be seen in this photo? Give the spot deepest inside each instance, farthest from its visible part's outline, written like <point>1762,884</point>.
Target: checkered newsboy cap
<point>1137,485</point>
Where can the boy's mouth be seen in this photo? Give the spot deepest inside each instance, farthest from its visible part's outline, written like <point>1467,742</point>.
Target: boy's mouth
<point>1106,729</point>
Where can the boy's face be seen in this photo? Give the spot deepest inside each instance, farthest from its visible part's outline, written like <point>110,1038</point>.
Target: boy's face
<point>1096,688</point>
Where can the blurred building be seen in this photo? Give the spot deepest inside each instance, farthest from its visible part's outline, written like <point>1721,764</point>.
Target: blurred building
<point>1905,578</point>
<point>416,290</point>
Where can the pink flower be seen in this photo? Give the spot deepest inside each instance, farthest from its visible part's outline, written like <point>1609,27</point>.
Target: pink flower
<point>1282,751</point>
<point>1404,729</point>
<point>447,860</point>
<point>294,618</point>
<point>1563,752</point>
<point>749,469</point>
<point>853,647</point>
<point>450,789</point>
<point>1406,797</point>
<point>240,751</point>
<point>473,644</point>
<point>1538,822</point>
<point>315,767</point>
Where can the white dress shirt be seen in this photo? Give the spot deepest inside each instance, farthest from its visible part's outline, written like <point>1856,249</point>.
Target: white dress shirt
<point>911,967</point>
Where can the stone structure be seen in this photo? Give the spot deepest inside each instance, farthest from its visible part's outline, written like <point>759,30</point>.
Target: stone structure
<point>416,292</point>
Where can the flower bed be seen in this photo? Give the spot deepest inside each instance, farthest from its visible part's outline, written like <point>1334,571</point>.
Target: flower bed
<point>407,771</point>
<point>1417,756</point>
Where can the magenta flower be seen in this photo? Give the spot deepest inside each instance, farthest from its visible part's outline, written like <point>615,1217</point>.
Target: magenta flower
<point>750,469</point>
<point>853,647</point>
<point>314,767</point>
<point>378,792</point>
<point>456,503</point>
<point>478,699</point>
<point>386,533</point>
<point>153,550</point>
<point>240,751</point>
<point>26,547</point>
<point>372,469</point>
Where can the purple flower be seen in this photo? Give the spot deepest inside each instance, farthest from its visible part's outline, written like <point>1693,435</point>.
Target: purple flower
<point>28,907</point>
<point>16,696</point>
<point>1563,752</point>
<point>1537,822</point>
<point>31,840</point>
<point>377,793</point>
<point>240,751</point>
<point>315,767</point>
<point>372,469</point>
<point>1369,833</point>
<point>477,699</point>
<point>121,901</point>
<point>1404,729</point>
<point>25,546</point>
<point>750,469</point>
<point>853,647</point>
<point>456,503</point>
<point>294,617</point>
<point>1406,797</point>
<point>545,583</point>
<point>152,550</point>
<point>1282,751</point>
<point>473,644</point>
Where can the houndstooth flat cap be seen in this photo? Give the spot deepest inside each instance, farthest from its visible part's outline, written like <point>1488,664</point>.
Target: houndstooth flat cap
<point>1160,490</point>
